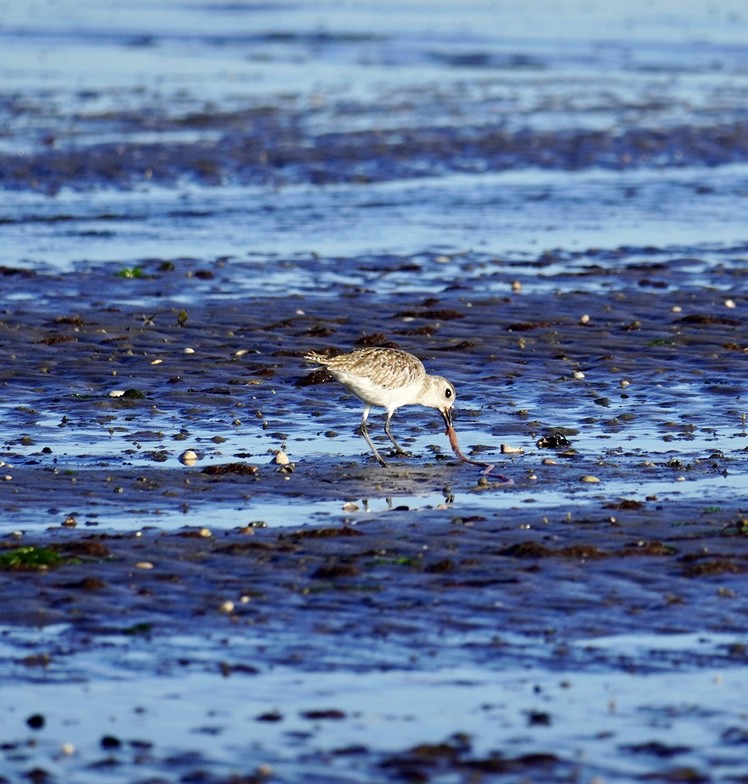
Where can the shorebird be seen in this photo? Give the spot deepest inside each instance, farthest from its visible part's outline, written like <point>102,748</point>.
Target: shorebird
<point>388,378</point>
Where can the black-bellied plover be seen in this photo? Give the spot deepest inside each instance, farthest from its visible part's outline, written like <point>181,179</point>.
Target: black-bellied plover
<point>389,378</point>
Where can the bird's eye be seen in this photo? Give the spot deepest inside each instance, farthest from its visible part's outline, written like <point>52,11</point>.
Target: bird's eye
<point>448,393</point>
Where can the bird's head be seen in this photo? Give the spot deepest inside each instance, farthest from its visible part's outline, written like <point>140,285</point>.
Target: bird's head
<point>440,394</point>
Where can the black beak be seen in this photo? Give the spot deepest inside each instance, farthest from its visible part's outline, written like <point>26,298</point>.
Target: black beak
<point>446,416</point>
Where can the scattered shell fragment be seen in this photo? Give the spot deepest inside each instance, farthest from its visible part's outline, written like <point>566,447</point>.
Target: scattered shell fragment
<point>516,286</point>
<point>157,362</point>
<point>241,352</point>
<point>226,607</point>
<point>144,565</point>
<point>730,303</point>
<point>584,319</point>
<point>507,449</point>
<point>206,533</point>
<point>188,350</point>
<point>676,309</point>
<point>188,457</point>
<point>578,374</point>
<point>280,457</point>
<point>549,461</point>
<point>69,522</point>
<point>349,506</point>
<point>589,479</point>
<point>624,383</point>
<point>117,393</point>
<point>552,441</point>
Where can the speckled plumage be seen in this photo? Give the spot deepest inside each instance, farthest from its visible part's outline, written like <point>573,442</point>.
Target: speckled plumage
<point>389,378</point>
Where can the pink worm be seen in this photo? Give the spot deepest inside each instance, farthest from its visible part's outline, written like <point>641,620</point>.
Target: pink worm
<point>456,449</point>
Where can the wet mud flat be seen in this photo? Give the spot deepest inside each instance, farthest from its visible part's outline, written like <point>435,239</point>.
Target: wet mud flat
<point>551,216</point>
<point>584,622</point>
<point>403,596</point>
<point>634,380</point>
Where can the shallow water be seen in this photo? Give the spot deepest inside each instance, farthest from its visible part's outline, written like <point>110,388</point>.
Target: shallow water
<point>582,717</point>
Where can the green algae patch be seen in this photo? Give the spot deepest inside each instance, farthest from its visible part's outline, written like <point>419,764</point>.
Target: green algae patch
<point>31,558</point>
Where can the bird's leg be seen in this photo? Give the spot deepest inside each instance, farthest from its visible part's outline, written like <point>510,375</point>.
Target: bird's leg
<point>362,429</point>
<point>398,448</point>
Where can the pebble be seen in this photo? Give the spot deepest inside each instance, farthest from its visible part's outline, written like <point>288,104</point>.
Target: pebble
<point>585,319</point>
<point>730,303</point>
<point>506,449</point>
<point>578,374</point>
<point>36,721</point>
<point>624,383</point>
<point>226,607</point>
<point>189,350</point>
<point>589,479</point>
<point>549,461</point>
<point>280,457</point>
<point>144,565</point>
<point>188,457</point>
<point>157,362</point>
<point>516,286</point>
<point>349,506</point>
<point>117,393</point>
